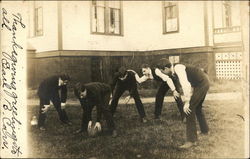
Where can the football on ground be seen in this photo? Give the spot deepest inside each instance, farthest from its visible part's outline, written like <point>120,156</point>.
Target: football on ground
<point>92,132</point>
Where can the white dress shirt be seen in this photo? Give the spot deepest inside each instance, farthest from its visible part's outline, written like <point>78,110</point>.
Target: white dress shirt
<point>63,105</point>
<point>180,70</point>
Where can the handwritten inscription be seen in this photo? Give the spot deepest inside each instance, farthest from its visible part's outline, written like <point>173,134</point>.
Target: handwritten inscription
<point>11,23</point>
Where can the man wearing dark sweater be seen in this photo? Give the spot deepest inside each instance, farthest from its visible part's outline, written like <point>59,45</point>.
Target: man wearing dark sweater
<point>166,83</point>
<point>49,91</point>
<point>95,94</point>
<point>195,84</point>
<point>125,80</point>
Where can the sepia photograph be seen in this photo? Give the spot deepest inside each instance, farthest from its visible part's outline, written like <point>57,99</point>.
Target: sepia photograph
<point>97,79</point>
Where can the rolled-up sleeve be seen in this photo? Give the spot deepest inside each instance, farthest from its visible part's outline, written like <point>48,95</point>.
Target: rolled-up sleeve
<point>140,79</point>
<point>165,78</point>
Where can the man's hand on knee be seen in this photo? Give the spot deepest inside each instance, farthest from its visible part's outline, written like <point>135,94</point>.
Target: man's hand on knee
<point>89,125</point>
<point>98,126</point>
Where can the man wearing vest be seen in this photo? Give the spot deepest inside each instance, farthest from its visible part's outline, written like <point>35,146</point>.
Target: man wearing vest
<point>165,83</point>
<point>95,94</point>
<point>195,85</point>
<point>49,91</point>
<point>125,80</point>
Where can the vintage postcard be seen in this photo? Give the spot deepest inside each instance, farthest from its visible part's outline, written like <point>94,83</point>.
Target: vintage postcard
<point>124,79</point>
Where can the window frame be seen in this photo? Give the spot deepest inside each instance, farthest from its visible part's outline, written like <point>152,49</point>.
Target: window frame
<point>174,59</point>
<point>228,4</point>
<point>106,19</point>
<point>164,17</point>
<point>36,19</point>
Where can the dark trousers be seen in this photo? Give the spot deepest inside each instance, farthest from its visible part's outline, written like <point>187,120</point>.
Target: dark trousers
<point>160,98</point>
<point>57,104</point>
<point>88,105</point>
<point>119,90</point>
<point>196,102</point>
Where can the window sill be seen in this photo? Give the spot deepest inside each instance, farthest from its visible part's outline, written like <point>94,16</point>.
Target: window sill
<point>108,34</point>
<point>171,32</point>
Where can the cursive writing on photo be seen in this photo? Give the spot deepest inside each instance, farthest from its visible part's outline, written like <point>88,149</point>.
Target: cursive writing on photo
<point>11,124</point>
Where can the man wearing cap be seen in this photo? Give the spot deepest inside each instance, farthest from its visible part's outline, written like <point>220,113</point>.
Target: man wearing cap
<point>195,84</point>
<point>49,91</point>
<point>95,94</point>
<point>166,83</point>
<point>125,80</point>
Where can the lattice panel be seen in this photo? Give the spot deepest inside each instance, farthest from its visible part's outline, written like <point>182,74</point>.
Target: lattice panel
<point>228,65</point>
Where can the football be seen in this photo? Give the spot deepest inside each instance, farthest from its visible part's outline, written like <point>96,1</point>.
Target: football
<point>92,132</point>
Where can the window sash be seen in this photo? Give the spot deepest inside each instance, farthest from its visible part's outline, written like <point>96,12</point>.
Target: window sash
<point>171,12</point>
<point>170,18</point>
<point>227,14</point>
<point>38,21</point>
<point>98,19</point>
<point>107,21</point>
<point>114,21</point>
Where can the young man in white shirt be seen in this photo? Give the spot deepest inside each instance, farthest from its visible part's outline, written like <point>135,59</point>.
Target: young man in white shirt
<point>166,84</point>
<point>195,84</point>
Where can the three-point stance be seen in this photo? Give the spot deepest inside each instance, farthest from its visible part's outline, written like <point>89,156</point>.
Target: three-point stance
<point>125,80</point>
<point>95,94</point>
<point>49,91</point>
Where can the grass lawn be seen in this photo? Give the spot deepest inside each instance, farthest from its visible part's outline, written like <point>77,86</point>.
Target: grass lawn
<point>155,139</point>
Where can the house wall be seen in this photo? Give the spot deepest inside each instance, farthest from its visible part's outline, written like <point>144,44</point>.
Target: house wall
<point>49,40</point>
<point>218,13</point>
<point>142,40</point>
<point>142,29</point>
<point>142,25</point>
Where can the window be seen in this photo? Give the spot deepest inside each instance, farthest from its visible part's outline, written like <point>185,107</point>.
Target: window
<point>38,18</point>
<point>174,59</point>
<point>106,17</point>
<point>170,17</point>
<point>227,13</point>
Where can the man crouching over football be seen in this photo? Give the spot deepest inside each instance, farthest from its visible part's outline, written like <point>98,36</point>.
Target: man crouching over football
<point>90,95</point>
